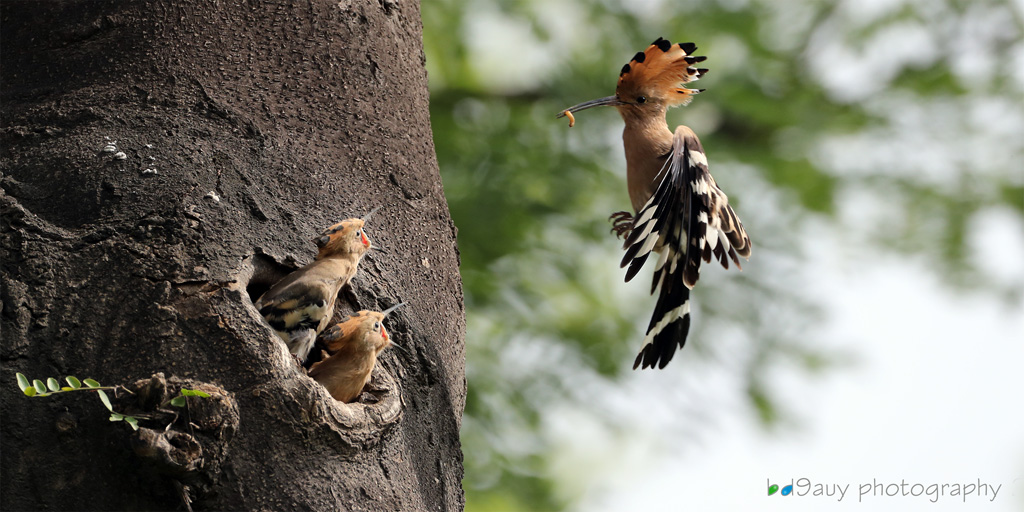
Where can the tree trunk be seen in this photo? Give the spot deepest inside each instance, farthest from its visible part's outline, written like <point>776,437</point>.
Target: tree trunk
<point>237,132</point>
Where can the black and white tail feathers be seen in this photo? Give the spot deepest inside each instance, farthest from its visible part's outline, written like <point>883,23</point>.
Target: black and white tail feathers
<point>686,220</point>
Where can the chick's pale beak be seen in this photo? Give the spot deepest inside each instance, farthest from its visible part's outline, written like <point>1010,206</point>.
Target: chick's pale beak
<point>607,101</point>
<point>392,308</point>
<point>367,216</point>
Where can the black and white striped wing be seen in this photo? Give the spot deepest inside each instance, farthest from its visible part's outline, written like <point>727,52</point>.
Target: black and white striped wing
<point>686,220</point>
<point>296,310</point>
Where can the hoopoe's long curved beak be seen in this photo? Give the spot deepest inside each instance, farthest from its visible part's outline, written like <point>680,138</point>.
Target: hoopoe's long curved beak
<point>607,101</point>
<point>392,308</point>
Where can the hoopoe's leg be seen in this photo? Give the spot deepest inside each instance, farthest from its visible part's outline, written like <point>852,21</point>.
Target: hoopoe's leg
<point>621,223</point>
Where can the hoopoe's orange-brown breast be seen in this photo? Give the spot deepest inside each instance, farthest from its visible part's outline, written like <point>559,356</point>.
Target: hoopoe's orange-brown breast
<point>647,143</point>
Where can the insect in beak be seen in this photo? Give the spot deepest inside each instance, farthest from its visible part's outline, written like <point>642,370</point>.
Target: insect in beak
<point>607,101</point>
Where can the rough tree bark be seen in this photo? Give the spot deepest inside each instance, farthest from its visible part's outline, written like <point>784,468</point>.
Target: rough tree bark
<point>265,122</point>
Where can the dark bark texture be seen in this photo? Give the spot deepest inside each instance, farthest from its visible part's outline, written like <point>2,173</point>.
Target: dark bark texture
<point>238,131</point>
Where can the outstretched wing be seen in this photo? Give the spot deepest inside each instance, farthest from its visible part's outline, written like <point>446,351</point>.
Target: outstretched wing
<point>686,220</point>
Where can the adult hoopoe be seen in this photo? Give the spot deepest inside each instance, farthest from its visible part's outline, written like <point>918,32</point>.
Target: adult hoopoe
<point>300,305</point>
<point>355,344</point>
<point>682,215</point>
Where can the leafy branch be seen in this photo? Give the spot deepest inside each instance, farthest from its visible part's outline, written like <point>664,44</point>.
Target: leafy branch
<point>38,388</point>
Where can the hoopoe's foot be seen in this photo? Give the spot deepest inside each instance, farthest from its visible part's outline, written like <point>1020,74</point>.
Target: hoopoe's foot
<point>622,222</point>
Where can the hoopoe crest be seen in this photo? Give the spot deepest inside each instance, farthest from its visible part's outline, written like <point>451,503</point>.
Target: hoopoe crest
<point>682,217</point>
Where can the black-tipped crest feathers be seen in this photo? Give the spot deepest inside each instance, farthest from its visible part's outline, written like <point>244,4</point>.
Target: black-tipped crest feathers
<point>660,71</point>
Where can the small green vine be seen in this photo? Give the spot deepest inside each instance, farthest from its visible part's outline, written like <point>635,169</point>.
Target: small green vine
<point>38,388</point>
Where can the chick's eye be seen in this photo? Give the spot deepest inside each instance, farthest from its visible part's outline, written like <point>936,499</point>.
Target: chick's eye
<point>376,325</point>
<point>641,99</point>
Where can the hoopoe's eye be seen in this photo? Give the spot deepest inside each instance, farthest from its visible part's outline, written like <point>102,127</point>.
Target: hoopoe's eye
<point>376,325</point>
<point>641,99</point>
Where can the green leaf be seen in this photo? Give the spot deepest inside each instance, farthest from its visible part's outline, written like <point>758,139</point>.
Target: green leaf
<point>73,381</point>
<point>132,421</point>
<point>52,384</point>
<point>91,383</point>
<point>67,388</point>
<point>40,387</point>
<point>30,391</point>
<point>194,392</point>
<point>106,400</point>
<point>116,417</point>
<point>178,401</point>
<point>23,381</point>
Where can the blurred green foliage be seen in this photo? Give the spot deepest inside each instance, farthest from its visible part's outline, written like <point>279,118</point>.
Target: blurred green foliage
<point>810,106</point>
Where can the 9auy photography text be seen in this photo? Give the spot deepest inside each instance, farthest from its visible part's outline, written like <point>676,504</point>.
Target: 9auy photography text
<point>966,491</point>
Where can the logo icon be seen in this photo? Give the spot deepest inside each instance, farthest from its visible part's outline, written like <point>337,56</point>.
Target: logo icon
<point>786,491</point>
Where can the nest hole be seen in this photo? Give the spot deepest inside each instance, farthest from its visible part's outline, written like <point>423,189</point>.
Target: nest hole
<point>259,273</point>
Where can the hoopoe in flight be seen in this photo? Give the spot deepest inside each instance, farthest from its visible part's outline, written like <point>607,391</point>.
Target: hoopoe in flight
<point>355,344</point>
<point>682,216</point>
<point>301,304</point>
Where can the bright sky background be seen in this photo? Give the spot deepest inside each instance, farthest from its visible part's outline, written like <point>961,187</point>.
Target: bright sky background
<point>935,398</point>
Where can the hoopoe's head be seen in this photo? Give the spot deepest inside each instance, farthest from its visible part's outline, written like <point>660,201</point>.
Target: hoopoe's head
<point>365,329</point>
<point>344,238</point>
<point>653,81</point>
